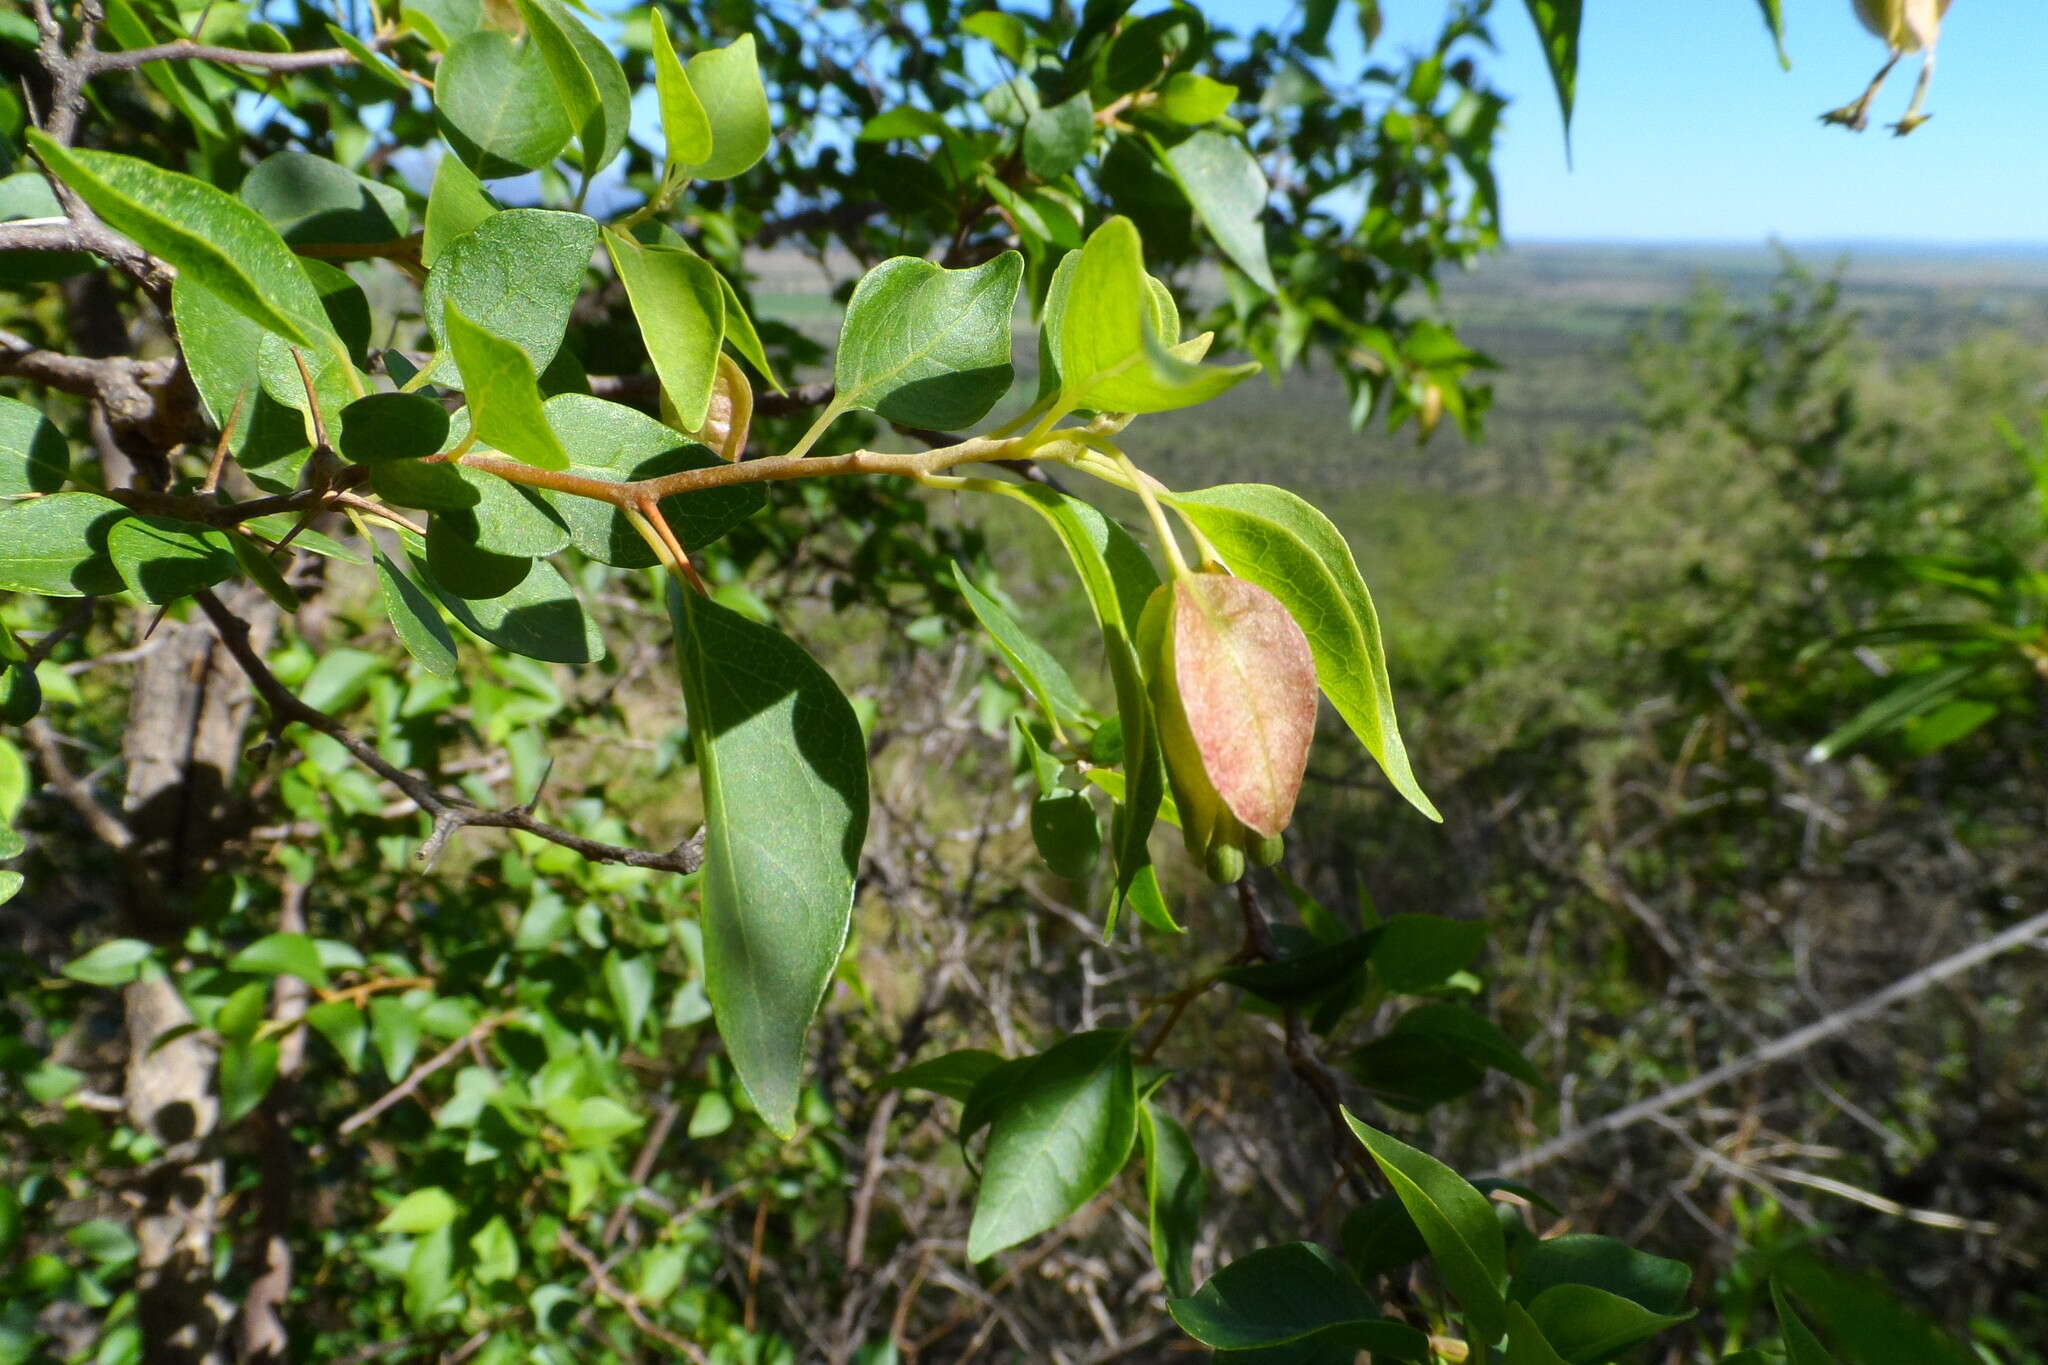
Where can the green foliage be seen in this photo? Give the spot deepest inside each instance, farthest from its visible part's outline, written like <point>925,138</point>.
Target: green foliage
<point>505,1109</point>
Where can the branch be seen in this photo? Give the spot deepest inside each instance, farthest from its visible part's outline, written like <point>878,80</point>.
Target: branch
<point>105,825</point>
<point>481,1030</point>
<point>184,49</point>
<point>1789,1045</point>
<point>449,812</point>
<point>625,1300</point>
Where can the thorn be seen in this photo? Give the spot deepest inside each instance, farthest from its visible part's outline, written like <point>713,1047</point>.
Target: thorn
<point>220,449</point>
<point>155,621</point>
<point>312,403</point>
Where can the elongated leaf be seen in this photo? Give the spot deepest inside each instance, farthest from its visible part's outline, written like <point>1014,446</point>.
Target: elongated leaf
<point>588,80</point>
<point>282,955</point>
<point>1228,192</point>
<point>784,772</point>
<point>496,103</point>
<point>927,346</point>
<point>207,234</point>
<point>1587,1325</point>
<point>1174,1192</point>
<point>416,619</point>
<point>165,559</point>
<point>1288,1295</point>
<point>539,617</point>
<point>57,546</point>
<point>1033,664</point>
<point>1802,1347</point>
<point>1469,1035</point>
<point>33,456</point>
<point>1657,1284</point>
<point>516,274</point>
<point>1557,27</point>
<point>681,311</point>
<point>1774,20</point>
<point>684,125</point>
<point>1118,579</point>
<point>1300,978</point>
<point>1917,694</point>
<point>1864,1318</point>
<point>1280,542</point>
<point>727,83</point>
<point>609,441</point>
<point>113,963</point>
<point>1065,1129</point>
<point>954,1075</point>
<point>741,336</point>
<point>1455,1220</point>
<point>503,394</point>
<point>1526,1345</point>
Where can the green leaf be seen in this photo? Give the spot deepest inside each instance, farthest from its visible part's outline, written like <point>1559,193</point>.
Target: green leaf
<point>1380,1237</point>
<point>494,514</point>
<point>496,1251</point>
<point>496,103</point>
<point>610,441</point>
<point>1103,330</point>
<point>33,456</point>
<point>248,1068</point>
<point>113,963</point>
<point>391,426</point>
<point>1802,1347</point>
<point>222,244</point>
<point>784,771</point>
<point>954,1075</point>
<point>1655,1283</point>
<point>1174,1192</point>
<point>242,1013</point>
<point>425,1210</point>
<point>1456,1220</point>
<point>1557,27</point>
<point>57,546</point>
<point>164,559</point>
<point>1118,579</point>
<point>1917,695</point>
<point>503,395</point>
<point>588,80</point>
<point>1066,1127</point>
<point>416,619</point>
<point>599,1121</point>
<point>1469,1035</point>
<point>741,336</point>
<point>1283,1295</point>
<point>1228,192</point>
<point>539,618</point>
<point>1774,20</point>
<point>517,275</point>
<point>1280,542</point>
<point>1298,979</point>
<point>630,983</point>
<point>1066,833</point>
<point>710,1116</point>
<point>456,206</point>
<point>395,1029</point>
<point>458,565</point>
<point>343,1026</point>
<point>1865,1319</point>
<point>1526,1345</point>
<point>1418,953</point>
<point>1033,664</point>
<point>1192,98</point>
<point>282,955</point>
<point>1587,1325</point>
<point>685,127</point>
<point>681,311</point>
<point>727,83</point>
<point>1005,32</point>
<point>428,1274</point>
<point>927,346</point>
<point>310,199</point>
<point>368,58</point>
<point>1057,138</point>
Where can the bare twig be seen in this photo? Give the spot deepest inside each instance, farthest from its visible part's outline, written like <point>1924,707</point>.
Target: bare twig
<point>368,1114</point>
<point>449,812</point>
<point>634,1312</point>
<point>1788,1045</point>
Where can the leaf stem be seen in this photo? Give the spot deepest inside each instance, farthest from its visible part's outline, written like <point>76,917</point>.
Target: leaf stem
<point>1142,486</point>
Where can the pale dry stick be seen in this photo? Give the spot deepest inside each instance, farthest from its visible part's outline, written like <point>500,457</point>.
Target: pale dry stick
<point>637,1315</point>
<point>2032,930</point>
<point>411,1084</point>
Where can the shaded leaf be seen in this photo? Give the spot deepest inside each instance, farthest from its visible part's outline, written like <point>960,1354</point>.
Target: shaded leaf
<point>1174,1194</point>
<point>57,546</point>
<point>1455,1220</point>
<point>953,1075</point>
<point>927,346</point>
<point>495,100</point>
<point>164,559</point>
<point>1228,191</point>
<point>1295,1293</point>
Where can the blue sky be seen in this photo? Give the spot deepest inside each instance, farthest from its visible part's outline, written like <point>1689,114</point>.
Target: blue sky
<point>1687,130</point>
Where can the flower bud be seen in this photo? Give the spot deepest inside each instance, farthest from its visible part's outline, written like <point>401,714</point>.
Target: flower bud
<point>1233,687</point>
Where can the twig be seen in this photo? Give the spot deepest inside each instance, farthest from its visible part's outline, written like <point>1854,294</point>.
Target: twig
<point>449,812</point>
<point>105,825</point>
<point>634,1312</point>
<point>482,1029</point>
<point>1788,1045</point>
